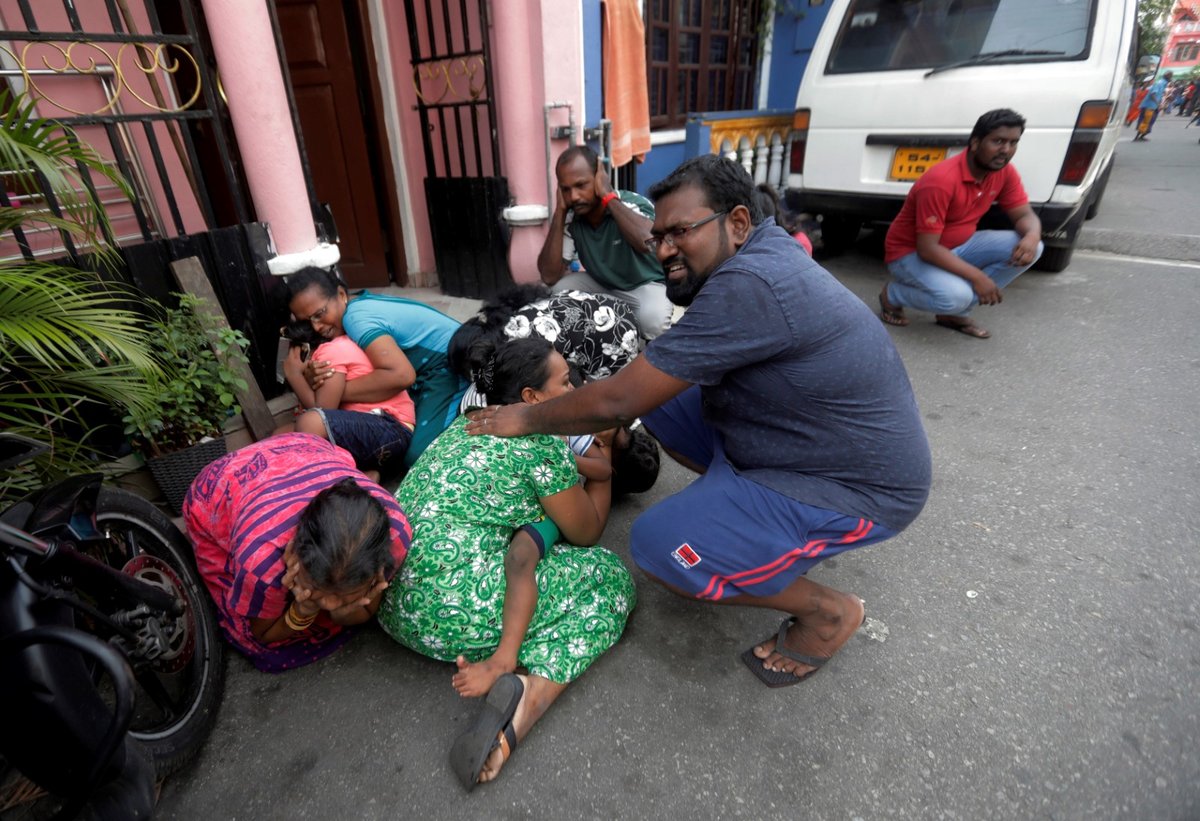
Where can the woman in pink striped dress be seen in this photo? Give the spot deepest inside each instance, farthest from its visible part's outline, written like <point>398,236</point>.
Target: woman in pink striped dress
<point>295,545</point>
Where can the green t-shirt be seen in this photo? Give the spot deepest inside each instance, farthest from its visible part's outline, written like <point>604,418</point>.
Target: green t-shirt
<point>608,258</point>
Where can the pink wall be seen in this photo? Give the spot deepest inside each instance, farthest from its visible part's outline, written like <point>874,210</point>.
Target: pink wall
<point>562,24</point>
<point>524,80</point>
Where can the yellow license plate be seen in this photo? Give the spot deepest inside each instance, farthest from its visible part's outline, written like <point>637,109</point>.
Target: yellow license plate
<point>911,161</point>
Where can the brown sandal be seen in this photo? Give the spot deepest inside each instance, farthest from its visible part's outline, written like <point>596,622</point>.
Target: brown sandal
<point>965,327</point>
<point>889,313</point>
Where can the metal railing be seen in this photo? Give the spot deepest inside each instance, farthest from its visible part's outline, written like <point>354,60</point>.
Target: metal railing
<point>148,89</point>
<point>760,141</point>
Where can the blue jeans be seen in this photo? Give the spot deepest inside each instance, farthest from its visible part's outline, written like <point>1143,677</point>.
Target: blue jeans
<point>926,287</point>
<point>373,439</point>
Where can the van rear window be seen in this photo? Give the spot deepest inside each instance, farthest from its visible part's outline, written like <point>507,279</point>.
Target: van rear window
<point>888,35</point>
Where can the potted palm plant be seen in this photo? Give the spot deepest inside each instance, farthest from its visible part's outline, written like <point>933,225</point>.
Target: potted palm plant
<point>72,344</point>
<point>182,430</point>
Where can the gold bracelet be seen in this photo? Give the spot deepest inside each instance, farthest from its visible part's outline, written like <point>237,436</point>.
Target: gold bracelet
<point>297,622</point>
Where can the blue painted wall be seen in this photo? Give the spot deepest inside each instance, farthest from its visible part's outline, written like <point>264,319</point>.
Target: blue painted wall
<point>593,67</point>
<point>660,162</point>
<point>796,27</point>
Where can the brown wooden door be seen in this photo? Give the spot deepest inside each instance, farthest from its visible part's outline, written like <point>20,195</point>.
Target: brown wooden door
<point>336,104</point>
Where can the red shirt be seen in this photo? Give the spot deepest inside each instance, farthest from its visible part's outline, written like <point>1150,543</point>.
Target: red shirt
<point>949,201</point>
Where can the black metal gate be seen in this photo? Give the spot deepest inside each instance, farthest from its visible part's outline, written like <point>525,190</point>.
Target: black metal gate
<point>464,189</point>
<point>134,81</point>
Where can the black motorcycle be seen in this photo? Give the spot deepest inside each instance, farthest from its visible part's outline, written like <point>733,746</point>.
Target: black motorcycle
<point>111,668</point>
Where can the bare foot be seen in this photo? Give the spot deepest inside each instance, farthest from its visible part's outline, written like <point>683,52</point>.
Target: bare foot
<point>820,635</point>
<point>474,679</point>
<point>962,325</point>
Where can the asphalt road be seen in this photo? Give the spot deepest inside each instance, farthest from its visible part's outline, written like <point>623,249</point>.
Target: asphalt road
<point>1032,649</point>
<point>1150,208</point>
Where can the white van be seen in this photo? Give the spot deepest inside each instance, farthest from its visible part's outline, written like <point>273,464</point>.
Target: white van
<point>894,86</point>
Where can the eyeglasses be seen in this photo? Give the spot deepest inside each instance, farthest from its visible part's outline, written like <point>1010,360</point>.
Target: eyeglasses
<point>318,316</point>
<point>672,237</point>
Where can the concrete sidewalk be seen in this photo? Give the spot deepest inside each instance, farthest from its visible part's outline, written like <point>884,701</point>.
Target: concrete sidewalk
<point>1150,207</point>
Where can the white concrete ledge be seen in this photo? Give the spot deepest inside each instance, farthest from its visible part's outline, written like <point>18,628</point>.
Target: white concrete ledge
<point>323,255</point>
<point>526,214</point>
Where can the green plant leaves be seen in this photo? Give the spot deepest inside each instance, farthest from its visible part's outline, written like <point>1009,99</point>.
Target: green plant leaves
<point>196,391</point>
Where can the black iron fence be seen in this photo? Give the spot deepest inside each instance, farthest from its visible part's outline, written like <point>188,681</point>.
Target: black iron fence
<point>133,79</point>
<point>464,188</point>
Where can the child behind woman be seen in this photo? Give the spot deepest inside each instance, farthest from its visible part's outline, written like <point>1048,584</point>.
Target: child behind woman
<point>375,433</point>
<point>530,371</point>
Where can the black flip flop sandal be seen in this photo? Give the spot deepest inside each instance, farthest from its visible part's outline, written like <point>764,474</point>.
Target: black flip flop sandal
<point>781,678</point>
<point>472,748</point>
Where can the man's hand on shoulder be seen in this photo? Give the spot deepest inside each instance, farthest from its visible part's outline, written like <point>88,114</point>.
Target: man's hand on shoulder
<point>498,420</point>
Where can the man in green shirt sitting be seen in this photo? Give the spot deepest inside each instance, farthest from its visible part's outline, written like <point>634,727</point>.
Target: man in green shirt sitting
<point>608,230</point>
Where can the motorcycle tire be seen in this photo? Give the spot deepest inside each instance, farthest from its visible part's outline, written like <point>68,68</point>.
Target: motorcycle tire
<point>190,677</point>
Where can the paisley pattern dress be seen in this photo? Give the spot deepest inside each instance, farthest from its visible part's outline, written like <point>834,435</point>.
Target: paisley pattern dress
<point>464,498</point>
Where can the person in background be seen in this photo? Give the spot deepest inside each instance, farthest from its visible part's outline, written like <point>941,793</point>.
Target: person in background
<point>1149,106</point>
<point>768,203</point>
<point>608,230</point>
<point>938,260</point>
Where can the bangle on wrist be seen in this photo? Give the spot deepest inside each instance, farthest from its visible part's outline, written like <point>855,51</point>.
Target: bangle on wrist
<point>296,621</point>
<point>607,198</point>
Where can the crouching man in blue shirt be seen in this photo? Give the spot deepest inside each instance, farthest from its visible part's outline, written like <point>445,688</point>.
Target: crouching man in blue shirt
<point>778,389</point>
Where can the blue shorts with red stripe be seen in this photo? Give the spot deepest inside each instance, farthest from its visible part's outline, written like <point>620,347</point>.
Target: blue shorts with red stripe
<point>725,535</point>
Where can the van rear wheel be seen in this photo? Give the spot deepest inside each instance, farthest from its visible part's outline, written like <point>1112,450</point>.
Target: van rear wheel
<point>1055,259</point>
<point>839,232</point>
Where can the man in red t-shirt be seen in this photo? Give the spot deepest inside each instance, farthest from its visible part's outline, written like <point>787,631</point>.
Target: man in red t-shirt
<point>938,261</point>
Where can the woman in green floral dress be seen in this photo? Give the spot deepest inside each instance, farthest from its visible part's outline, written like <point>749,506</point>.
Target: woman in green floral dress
<point>464,498</point>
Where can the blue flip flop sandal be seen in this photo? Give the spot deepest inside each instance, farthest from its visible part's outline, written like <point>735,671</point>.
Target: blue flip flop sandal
<point>492,728</point>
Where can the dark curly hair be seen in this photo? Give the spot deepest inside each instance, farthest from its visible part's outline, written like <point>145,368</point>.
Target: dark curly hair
<point>489,323</point>
<point>502,370</point>
<point>343,537</point>
<point>724,182</point>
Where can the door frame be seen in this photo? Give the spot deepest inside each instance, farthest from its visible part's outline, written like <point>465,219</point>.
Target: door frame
<point>388,126</point>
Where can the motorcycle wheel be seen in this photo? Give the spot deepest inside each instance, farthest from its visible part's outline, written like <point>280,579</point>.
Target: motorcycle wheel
<point>176,694</point>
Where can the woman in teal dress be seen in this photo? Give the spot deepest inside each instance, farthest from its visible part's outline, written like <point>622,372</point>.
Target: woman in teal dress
<point>465,498</point>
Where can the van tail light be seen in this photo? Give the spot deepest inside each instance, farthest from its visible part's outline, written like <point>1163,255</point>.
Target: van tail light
<point>799,139</point>
<point>1085,140</point>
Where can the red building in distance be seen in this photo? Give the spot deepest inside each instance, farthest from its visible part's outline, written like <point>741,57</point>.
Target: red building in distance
<point>1181,53</point>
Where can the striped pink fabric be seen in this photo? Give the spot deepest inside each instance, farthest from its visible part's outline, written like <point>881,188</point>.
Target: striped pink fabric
<point>242,511</point>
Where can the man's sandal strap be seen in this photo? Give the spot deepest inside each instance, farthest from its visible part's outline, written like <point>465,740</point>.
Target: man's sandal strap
<point>781,648</point>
